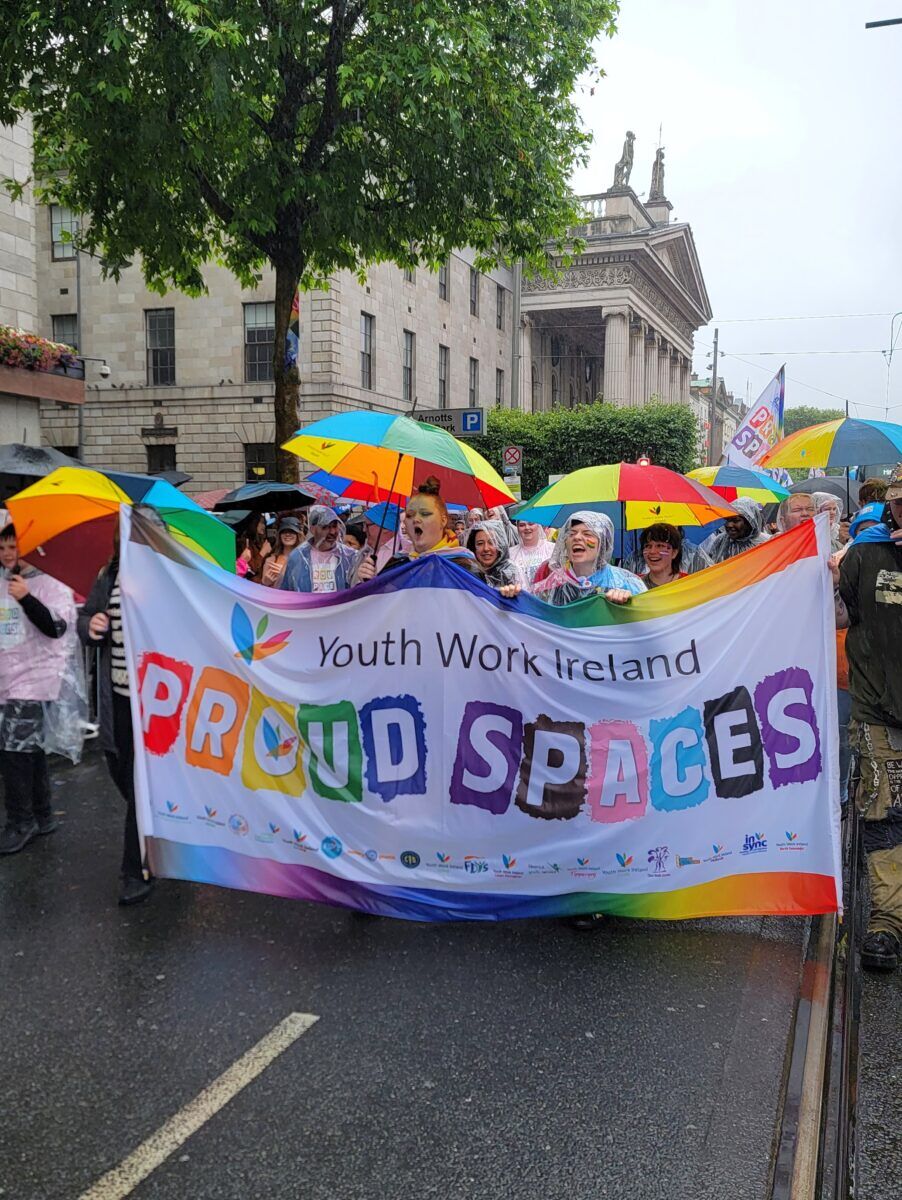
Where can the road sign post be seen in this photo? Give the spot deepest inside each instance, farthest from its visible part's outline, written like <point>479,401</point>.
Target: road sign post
<point>512,460</point>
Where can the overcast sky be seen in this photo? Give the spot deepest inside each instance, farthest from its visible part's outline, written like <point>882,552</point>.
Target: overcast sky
<point>781,124</point>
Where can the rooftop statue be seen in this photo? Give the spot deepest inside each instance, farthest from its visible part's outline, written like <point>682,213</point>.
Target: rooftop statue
<point>625,165</point>
<point>656,191</point>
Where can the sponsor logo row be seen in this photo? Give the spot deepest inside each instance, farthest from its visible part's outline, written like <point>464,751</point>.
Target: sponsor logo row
<point>657,861</point>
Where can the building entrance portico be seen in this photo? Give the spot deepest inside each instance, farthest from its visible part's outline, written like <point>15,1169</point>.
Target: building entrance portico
<point>619,320</point>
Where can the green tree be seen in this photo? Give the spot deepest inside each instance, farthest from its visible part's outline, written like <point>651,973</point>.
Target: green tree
<point>564,439</point>
<point>311,135</point>
<point>805,415</point>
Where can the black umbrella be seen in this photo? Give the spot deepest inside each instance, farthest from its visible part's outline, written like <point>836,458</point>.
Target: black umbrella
<point>21,465</point>
<point>266,497</point>
<point>176,478</point>
<point>836,485</point>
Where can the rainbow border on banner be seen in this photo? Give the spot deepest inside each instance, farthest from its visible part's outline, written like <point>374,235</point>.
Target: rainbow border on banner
<point>787,893</point>
<point>766,892</point>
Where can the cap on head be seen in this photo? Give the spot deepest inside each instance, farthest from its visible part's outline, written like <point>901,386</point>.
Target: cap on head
<point>894,487</point>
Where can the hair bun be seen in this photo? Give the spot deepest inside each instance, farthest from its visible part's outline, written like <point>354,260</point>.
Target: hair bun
<point>430,487</point>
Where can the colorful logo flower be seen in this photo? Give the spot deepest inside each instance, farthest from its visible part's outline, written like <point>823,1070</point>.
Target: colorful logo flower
<point>624,859</point>
<point>274,828</point>
<point>170,807</point>
<point>442,858</point>
<point>717,848</point>
<point>210,812</point>
<point>299,837</point>
<point>278,740</point>
<point>247,640</point>
<point>582,862</point>
<point>791,837</point>
<point>509,863</point>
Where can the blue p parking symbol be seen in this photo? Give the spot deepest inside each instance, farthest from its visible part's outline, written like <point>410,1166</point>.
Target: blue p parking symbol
<point>471,422</point>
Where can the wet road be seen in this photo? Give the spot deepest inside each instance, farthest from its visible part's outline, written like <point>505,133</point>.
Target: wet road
<point>514,1060</point>
<point>880,1094</point>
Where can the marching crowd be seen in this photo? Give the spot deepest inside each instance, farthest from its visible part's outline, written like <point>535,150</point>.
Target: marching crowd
<point>42,696</point>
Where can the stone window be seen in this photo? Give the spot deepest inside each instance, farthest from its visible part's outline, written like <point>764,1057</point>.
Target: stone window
<point>443,380</point>
<point>473,395</point>
<point>259,461</point>
<point>410,275</point>
<point>499,387</point>
<point>65,329</point>
<point>366,350</point>
<point>443,274</point>
<point>62,220</point>
<point>499,306</point>
<point>474,292</point>
<point>160,457</point>
<point>259,341</point>
<point>408,367</point>
<point>159,324</point>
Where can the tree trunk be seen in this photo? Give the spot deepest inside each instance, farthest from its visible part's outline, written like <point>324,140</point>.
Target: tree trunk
<point>287,378</point>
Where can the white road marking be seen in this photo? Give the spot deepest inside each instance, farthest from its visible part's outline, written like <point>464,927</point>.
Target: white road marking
<point>123,1180</point>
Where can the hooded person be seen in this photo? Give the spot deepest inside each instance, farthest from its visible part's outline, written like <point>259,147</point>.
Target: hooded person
<point>38,677</point>
<point>533,550</point>
<point>323,563</point>
<point>828,503</point>
<point>580,565</point>
<point>739,533</point>
<point>487,541</point>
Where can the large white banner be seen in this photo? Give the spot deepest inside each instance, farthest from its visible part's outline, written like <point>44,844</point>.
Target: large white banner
<point>420,747</point>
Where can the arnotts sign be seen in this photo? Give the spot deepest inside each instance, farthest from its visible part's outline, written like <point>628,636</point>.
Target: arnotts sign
<point>656,760</point>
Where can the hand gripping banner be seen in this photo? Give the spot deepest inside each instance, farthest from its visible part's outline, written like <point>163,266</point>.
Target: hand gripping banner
<point>420,747</point>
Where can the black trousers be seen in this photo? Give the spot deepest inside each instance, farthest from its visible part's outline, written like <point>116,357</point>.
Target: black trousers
<point>26,782</point>
<point>121,766</point>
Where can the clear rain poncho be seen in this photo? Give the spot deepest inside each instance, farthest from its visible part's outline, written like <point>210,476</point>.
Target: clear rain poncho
<point>502,571</point>
<point>720,546</point>
<point>828,503</point>
<point>561,585</point>
<point>43,698</point>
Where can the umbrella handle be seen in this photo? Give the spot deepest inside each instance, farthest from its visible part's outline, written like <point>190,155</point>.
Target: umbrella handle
<point>391,492</point>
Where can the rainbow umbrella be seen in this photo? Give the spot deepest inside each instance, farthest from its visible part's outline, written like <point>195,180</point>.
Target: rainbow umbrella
<point>335,486</point>
<point>731,482</point>
<point>391,455</point>
<point>846,442</point>
<point>65,522</point>
<point>636,496</point>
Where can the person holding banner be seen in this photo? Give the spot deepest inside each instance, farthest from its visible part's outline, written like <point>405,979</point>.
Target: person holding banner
<point>37,619</point>
<point>580,564</point>
<point>100,624</point>
<point>288,535</point>
<point>323,563</point>
<point>871,585</point>
<point>428,527</point>
<point>739,533</point>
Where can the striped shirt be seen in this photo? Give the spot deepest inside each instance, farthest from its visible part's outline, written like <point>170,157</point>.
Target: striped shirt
<point>118,664</point>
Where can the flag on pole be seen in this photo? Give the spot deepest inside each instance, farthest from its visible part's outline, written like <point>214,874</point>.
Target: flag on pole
<point>293,336</point>
<point>762,428</point>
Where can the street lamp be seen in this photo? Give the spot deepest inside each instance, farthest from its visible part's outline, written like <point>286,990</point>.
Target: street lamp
<point>888,355</point>
<point>104,372</point>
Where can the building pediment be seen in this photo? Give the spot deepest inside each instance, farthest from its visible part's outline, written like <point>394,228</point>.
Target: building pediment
<point>674,247</point>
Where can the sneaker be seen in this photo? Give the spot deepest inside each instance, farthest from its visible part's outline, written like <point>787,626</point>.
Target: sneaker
<point>48,824</point>
<point>133,891</point>
<point>880,951</point>
<point>587,923</point>
<point>16,837</point>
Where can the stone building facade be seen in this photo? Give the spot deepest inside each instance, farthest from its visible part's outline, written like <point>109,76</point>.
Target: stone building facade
<point>728,415</point>
<point>189,380</point>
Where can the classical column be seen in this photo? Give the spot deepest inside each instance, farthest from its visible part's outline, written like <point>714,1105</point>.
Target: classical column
<point>664,371</point>
<point>616,352</point>
<point>651,363</point>
<point>674,377</point>
<point>637,364</point>
<point>684,380</point>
